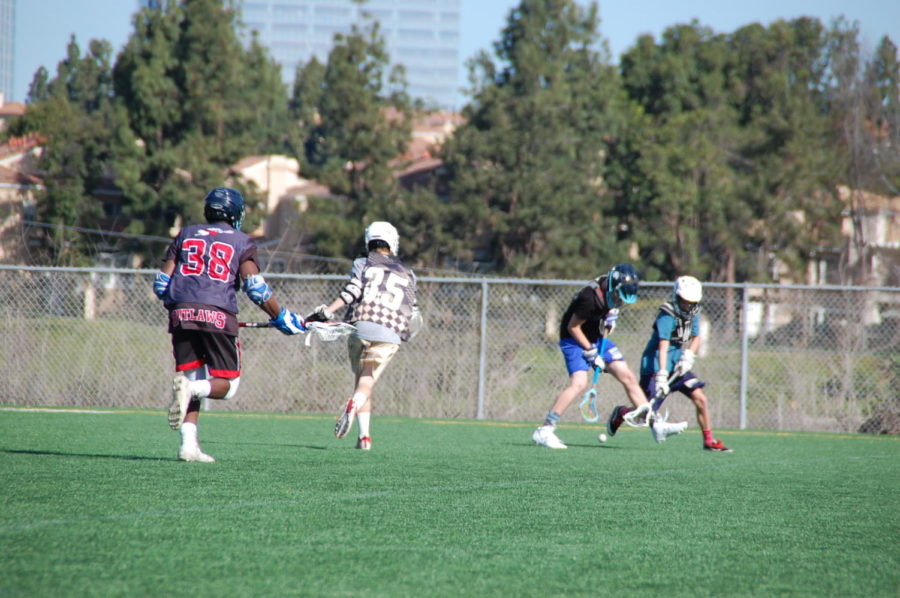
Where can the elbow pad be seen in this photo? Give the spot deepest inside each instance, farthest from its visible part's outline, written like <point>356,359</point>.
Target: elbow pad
<point>257,289</point>
<point>352,292</point>
<point>161,284</point>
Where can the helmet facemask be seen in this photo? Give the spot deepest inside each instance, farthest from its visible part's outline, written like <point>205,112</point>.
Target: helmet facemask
<point>622,285</point>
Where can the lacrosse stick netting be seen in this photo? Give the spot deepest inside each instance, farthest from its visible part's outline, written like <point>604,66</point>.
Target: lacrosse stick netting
<point>324,331</point>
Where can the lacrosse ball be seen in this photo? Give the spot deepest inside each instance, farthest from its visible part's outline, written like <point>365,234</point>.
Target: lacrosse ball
<point>602,437</point>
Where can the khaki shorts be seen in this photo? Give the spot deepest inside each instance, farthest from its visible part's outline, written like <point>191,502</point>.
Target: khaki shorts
<point>374,353</point>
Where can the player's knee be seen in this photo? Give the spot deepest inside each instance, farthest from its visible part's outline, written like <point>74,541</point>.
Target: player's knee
<point>232,387</point>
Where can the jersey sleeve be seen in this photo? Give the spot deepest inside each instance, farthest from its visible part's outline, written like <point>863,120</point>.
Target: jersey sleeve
<point>353,290</point>
<point>664,325</point>
<point>173,250</point>
<point>695,326</point>
<point>583,307</point>
<point>249,254</point>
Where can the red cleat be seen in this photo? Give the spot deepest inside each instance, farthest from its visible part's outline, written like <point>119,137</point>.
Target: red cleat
<point>717,446</point>
<point>615,420</point>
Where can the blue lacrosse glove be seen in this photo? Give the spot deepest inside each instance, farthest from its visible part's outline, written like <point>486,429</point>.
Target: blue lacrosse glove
<point>611,318</point>
<point>288,322</point>
<point>161,284</point>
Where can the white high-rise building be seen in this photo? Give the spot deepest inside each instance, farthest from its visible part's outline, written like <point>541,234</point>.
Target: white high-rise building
<point>7,49</point>
<point>422,35</point>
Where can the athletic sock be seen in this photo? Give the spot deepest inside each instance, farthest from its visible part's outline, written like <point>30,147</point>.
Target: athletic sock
<point>359,399</point>
<point>362,421</point>
<point>200,389</point>
<point>707,437</point>
<point>189,435</point>
<point>552,419</point>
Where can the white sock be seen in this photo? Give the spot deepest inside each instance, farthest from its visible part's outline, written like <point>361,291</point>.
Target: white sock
<point>359,399</point>
<point>200,389</point>
<point>189,435</point>
<point>362,421</point>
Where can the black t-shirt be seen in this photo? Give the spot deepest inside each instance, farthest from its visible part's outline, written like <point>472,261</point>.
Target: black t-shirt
<point>589,304</point>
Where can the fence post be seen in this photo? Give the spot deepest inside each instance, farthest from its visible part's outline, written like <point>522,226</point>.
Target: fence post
<point>745,332</point>
<point>482,350</point>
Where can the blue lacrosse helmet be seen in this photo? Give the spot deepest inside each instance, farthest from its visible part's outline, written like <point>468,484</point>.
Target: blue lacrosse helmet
<point>224,204</point>
<point>622,285</point>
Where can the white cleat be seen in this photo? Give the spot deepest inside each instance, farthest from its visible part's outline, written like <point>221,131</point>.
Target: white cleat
<point>194,454</point>
<point>662,430</point>
<point>545,436</point>
<point>181,398</point>
<point>345,419</point>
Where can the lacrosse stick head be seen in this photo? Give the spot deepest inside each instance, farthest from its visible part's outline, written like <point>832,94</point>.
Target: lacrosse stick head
<point>588,406</point>
<point>328,331</point>
<point>639,417</point>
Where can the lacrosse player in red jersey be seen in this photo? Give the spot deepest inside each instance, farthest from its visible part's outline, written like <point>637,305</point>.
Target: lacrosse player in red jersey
<point>381,296</point>
<point>672,348</point>
<point>581,341</point>
<point>204,266</point>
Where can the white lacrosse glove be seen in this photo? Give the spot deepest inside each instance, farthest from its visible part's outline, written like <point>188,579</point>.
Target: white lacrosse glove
<point>611,318</point>
<point>591,355</point>
<point>686,362</point>
<point>320,314</point>
<point>662,383</point>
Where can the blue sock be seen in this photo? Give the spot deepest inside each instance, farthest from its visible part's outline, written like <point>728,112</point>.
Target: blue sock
<point>552,419</point>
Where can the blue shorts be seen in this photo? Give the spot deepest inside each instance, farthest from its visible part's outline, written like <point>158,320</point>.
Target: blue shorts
<point>575,362</point>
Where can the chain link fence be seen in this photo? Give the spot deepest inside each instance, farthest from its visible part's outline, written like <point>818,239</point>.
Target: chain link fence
<point>774,357</point>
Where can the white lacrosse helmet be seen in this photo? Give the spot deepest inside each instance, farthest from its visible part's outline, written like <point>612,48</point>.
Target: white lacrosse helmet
<point>688,289</point>
<point>383,231</point>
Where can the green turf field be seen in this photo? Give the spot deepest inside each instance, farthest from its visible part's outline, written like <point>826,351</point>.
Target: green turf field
<point>96,505</point>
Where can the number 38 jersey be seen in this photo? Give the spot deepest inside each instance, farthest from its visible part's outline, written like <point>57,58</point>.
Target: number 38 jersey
<point>382,291</point>
<point>207,260</point>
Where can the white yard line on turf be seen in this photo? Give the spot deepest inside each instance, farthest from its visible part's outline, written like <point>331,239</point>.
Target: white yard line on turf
<point>51,410</point>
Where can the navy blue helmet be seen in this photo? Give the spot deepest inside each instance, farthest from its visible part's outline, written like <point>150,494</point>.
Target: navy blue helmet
<point>622,285</point>
<point>224,204</point>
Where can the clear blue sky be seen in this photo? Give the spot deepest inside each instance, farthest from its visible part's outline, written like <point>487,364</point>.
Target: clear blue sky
<point>43,27</point>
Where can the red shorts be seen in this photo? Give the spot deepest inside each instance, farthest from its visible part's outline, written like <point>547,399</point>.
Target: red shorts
<point>221,353</point>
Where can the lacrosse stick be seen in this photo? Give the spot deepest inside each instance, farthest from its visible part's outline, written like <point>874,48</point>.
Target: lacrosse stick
<point>325,331</point>
<point>588,404</point>
<point>640,417</point>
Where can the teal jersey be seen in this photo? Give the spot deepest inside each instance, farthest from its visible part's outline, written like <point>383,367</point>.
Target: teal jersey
<point>676,330</point>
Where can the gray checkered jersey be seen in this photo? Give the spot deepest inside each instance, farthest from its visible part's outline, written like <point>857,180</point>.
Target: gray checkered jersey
<point>382,291</point>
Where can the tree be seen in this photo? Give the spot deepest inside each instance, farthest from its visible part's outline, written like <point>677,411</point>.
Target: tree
<point>737,169</point>
<point>787,167</point>
<point>76,113</point>
<point>682,200</point>
<point>197,102</point>
<point>527,170</point>
<point>357,119</point>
